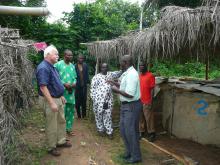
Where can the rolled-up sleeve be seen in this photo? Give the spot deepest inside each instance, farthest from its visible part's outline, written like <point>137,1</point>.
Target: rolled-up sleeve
<point>131,84</point>
<point>42,77</point>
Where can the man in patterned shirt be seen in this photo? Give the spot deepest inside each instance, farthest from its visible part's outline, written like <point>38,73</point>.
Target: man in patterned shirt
<point>68,77</point>
<point>102,97</point>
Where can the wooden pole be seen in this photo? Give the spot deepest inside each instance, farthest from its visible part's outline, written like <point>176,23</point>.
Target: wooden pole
<point>97,62</point>
<point>167,152</point>
<point>140,29</point>
<point>207,67</point>
<point>97,66</point>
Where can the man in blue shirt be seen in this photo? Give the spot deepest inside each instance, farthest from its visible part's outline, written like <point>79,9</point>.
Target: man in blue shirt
<point>131,107</point>
<point>51,90</point>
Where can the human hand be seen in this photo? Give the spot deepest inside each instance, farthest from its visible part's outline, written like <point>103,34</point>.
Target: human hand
<point>67,86</point>
<point>111,82</point>
<point>54,107</point>
<point>115,89</point>
<point>63,100</point>
<point>74,85</point>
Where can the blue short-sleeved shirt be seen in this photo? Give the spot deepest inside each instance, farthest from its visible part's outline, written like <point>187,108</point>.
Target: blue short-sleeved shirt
<point>48,76</point>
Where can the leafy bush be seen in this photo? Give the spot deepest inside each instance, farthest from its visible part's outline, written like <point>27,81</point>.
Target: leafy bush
<point>188,69</point>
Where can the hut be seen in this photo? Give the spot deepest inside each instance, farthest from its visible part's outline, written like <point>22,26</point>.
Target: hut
<point>189,109</point>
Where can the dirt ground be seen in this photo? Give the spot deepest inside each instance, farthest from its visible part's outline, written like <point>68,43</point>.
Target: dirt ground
<point>90,149</point>
<point>201,154</point>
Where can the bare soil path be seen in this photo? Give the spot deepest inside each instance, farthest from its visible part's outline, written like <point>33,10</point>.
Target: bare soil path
<point>90,149</point>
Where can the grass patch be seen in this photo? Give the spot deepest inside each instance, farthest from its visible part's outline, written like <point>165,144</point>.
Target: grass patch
<point>32,135</point>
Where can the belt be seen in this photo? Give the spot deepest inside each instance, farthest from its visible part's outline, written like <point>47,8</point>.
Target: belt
<point>127,102</point>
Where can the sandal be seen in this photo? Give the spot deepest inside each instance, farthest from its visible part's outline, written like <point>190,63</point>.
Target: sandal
<point>54,152</point>
<point>71,133</point>
<point>65,145</point>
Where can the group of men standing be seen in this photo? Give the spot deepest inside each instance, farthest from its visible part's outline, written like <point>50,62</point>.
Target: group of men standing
<point>62,84</point>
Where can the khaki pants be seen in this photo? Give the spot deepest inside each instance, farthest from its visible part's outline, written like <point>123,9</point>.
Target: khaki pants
<point>55,124</point>
<point>147,120</point>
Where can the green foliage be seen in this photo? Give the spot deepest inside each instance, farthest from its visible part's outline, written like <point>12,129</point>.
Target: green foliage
<point>56,34</point>
<point>102,19</point>
<point>32,151</point>
<point>151,15</point>
<point>35,58</point>
<point>188,69</point>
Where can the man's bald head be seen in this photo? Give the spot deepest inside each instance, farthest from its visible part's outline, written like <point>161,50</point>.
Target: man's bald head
<point>128,59</point>
<point>104,65</point>
<point>67,51</point>
<point>126,62</point>
<point>68,56</point>
<point>104,68</point>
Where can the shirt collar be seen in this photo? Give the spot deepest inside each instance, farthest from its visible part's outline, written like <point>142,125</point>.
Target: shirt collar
<point>48,63</point>
<point>130,68</point>
<point>126,72</point>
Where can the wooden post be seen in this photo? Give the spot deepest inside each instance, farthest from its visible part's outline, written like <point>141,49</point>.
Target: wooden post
<point>97,66</point>
<point>207,67</point>
<point>97,62</point>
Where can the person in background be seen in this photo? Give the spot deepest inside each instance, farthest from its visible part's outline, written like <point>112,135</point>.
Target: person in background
<point>147,84</point>
<point>81,86</point>
<point>68,76</point>
<point>51,90</point>
<point>102,98</point>
<point>131,107</point>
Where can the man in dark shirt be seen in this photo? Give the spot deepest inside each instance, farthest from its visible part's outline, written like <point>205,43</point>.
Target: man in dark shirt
<point>81,86</point>
<point>51,90</point>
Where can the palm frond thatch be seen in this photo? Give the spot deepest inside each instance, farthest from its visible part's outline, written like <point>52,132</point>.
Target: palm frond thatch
<point>179,28</point>
<point>15,90</point>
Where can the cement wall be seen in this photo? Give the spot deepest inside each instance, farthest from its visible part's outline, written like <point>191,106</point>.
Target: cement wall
<point>191,115</point>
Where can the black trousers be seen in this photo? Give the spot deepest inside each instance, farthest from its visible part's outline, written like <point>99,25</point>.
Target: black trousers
<point>81,98</point>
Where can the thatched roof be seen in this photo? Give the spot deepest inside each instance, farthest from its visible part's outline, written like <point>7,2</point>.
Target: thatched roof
<point>110,48</point>
<point>179,28</point>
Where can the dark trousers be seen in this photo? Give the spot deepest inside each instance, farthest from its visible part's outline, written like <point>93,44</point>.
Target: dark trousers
<point>129,128</point>
<point>81,98</point>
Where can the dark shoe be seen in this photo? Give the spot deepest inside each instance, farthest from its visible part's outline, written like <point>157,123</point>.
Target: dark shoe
<point>54,152</point>
<point>110,136</point>
<point>131,161</point>
<point>152,137</point>
<point>126,156</point>
<point>65,145</point>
